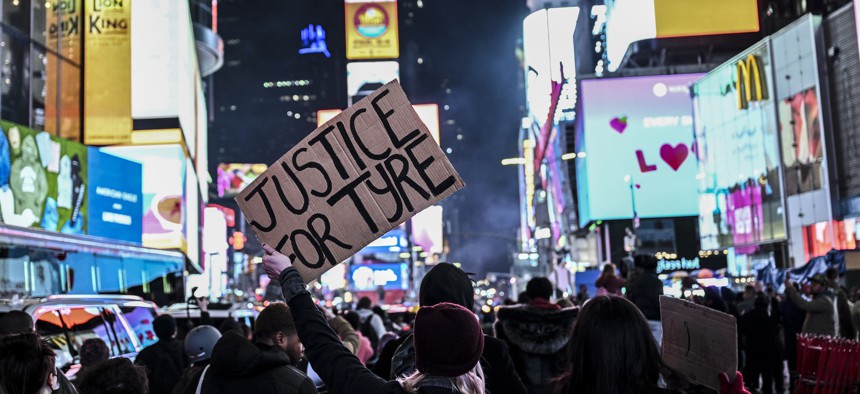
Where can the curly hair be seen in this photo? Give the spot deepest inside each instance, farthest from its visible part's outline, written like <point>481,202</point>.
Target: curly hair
<point>114,376</point>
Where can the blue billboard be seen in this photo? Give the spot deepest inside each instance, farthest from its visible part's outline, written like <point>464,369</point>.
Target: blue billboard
<point>115,197</point>
<point>368,277</point>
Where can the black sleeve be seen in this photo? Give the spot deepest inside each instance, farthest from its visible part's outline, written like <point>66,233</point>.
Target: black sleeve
<point>341,370</point>
<point>206,319</point>
<point>501,375</point>
<point>382,368</point>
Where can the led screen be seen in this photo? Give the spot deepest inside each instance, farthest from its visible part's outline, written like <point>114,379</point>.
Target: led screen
<point>635,147</point>
<point>368,277</point>
<point>740,191</point>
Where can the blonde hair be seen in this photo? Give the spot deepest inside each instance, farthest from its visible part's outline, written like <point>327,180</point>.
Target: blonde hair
<point>471,382</point>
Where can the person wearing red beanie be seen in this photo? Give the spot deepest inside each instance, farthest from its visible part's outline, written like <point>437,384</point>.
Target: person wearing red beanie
<point>448,344</point>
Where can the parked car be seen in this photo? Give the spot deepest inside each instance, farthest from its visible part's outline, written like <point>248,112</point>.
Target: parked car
<point>243,313</point>
<point>66,321</point>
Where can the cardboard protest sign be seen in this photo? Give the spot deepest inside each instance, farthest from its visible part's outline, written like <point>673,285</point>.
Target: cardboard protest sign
<point>357,176</point>
<point>698,341</point>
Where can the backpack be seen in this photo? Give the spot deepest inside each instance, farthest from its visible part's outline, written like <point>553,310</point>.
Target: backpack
<point>370,333</point>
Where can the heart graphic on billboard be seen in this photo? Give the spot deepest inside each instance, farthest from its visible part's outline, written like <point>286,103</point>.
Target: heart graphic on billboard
<point>619,124</point>
<point>674,156</point>
<point>638,186</point>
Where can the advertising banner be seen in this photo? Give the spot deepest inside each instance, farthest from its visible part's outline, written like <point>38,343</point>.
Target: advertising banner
<point>638,136</point>
<point>368,277</point>
<point>364,172</point>
<point>362,78</point>
<point>371,30</point>
<point>43,180</point>
<point>235,177</point>
<point>63,20</point>
<point>740,199</point>
<point>428,229</point>
<point>107,72</point>
<point>802,145</point>
<point>115,197</point>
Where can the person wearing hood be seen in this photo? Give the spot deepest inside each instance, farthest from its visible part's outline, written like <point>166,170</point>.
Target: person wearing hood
<point>536,334</point>
<point>644,291</point>
<point>448,344</point>
<point>821,316</point>
<point>265,366</point>
<point>759,330</point>
<point>447,283</point>
<point>165,360</point>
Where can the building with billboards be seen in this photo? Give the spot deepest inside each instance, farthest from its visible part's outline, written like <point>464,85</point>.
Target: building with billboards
<point>765,109</point>
<point>97,218</point>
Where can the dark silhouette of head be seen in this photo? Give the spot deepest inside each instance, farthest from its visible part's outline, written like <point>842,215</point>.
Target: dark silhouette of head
<point>164,327</point>
<point>26,363</point>
<point>646,262</point>
<point>353,319</point>
<point>612,350</point>
<point>832,275</point>
<point>446,283</point>
<point>94,351</point>
<point>762,302</point>
<point>364,303</point>
<point>523,298</point>
<point>114,376</point>
<point>16,322</point>
<point>539,287</point>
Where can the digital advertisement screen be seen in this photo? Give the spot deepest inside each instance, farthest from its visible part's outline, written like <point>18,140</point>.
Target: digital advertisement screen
<point>43,180</point>
<point>740,199</point>
<point>362,78</point>
<point>802,144</point>
<point>427,229</point>
<point>234,177</point>
<point>371,29</point>
<point>115,197</point>
<point>368,277</point>
<point>637,138</point>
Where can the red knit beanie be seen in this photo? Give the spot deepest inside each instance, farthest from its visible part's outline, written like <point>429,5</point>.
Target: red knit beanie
<point>448,340</point>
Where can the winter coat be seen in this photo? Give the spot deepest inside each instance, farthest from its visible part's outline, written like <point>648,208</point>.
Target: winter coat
<point>821,317</point>
<point>644,291</point>
<point>341,370</point>
<point>165,361</point>
<point>537,340</point>
<point>375,321</point>
<point>761,334</point>
<point>499,373</point>
<point>351,338</point>
<point>239,366</point>
<point>612,284</point>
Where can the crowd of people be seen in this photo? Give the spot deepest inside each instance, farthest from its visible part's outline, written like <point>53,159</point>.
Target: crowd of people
<point>609,343</point>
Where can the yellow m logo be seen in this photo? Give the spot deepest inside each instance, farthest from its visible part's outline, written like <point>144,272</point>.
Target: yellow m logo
<point>749,85</point>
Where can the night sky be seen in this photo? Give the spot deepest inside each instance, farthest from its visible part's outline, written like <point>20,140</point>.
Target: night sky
<point>468,62</point>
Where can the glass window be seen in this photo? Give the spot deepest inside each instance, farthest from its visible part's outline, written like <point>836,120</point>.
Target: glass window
<point>87,322</point>
<point>140,318</point>
<point>40,21</point>
<point>50,327</point>
<point>70,101</point>
<point>119,331</point>
<point>16,13</point>
<point>38,62</point>
<point>14,79</point>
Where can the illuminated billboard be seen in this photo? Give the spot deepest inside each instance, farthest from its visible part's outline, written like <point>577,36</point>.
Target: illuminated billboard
<point>371,29</point>
<point>368,277</point>
<point>740,188</point>
<point>629,21</point>
<point>427,229</point>
<point>637,137</point>
<point>234,177</point>
<point>362,78</point>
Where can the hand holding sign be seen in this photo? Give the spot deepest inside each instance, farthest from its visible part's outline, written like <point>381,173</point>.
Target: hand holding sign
<point>274,262</point>
<point>357,176</point>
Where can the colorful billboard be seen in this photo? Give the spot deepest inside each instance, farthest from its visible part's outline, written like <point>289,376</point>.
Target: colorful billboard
<point>629,21</point>
<point>234,177</point>
<point>368,277</point>
<point>371,30</point>
<point>164,193</point>
<point>740,188</point>
<point>43,180</point>
<point>427,230</point>
<point>64,24</point>
<point>115,197</point>
<point>637,140</point>
<point>107,72</point>
<point>802,145</point>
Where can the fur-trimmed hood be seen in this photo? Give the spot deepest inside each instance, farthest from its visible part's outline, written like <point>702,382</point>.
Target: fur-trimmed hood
<point>535,330</point>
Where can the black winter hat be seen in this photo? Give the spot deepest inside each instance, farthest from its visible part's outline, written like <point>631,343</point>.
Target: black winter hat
<point>446,283</point>
<point>448,340</point>
<point>164,326</point>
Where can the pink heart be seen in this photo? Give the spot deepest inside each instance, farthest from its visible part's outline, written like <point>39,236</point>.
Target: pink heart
<point>674,157</point>
<point>638,186</point>
<point>619,124</point>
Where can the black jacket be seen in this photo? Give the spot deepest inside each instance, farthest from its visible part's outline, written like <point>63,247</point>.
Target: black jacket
<point>537,340</point>
<point>760,332</point>
<point>644,291</point>
<point>239,366</point>
<point>341,370</point>
<point>164,362</point>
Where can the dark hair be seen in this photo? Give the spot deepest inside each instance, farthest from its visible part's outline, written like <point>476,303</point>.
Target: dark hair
<point>26,363</point>
<point>645,261</point>
<point>832,274</point>
<point>164,326</point>
<point>607,272</point>
<point>230,324</point>
<point>523,298</point>
<point>762,301</point>
<point>353,319</point>
<point>16,322</point>
<point>446,283</point>
<point>273,319</point>
<point>539,287</point>
<point>94,351</point>
<point>114,376</point>
<point>749,289</point>
<point>377,310</point>
<point>364,303</point>
<point>612,350</point>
